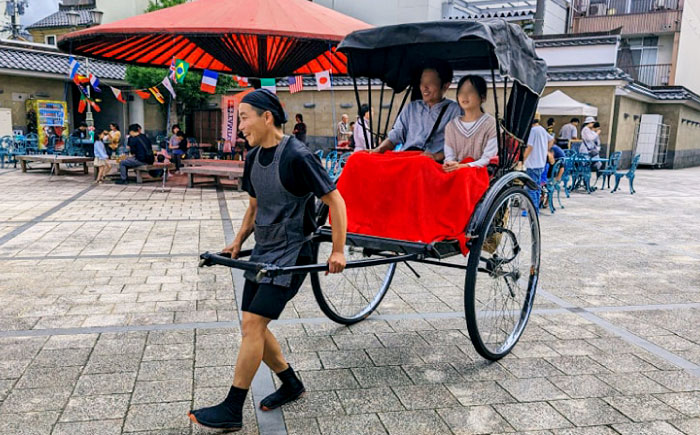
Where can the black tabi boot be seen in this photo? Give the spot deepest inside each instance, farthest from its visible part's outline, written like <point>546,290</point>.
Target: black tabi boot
<point>226,415</point>
<point>291,390</point>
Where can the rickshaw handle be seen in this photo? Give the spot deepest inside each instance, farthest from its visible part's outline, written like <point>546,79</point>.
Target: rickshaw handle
<point>263,270</point>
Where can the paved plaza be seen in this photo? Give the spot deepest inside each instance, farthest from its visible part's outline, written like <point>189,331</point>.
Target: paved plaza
<point>107,325</point>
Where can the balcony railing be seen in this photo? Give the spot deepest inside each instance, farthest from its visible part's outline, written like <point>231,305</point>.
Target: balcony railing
<point>650,75</point>
<point>592,8</point>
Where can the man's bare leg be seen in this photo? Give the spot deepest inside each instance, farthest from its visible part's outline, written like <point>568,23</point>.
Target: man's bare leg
<point>291,388</point>
<point>253,328</point>
<point>272,356</point>
<point>229,413</point>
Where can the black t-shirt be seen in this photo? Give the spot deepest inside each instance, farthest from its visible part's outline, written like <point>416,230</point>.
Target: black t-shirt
<point>301,173</point>
<point>140,147</point>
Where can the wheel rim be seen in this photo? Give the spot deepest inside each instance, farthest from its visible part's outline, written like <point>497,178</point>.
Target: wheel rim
<point>508,270</point>
<point>354,293</point>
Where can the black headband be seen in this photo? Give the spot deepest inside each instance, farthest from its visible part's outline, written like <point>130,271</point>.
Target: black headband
<point>267,101</point>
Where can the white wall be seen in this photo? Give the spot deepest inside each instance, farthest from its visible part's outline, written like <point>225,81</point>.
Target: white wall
<point>555,17</point>
<point>118,10</point>
<point>688,59</point>
<point>136,114</point>
<point>602,54</point>
<point>4,20</point>
<point>665,53</point>
<point>387,12</point>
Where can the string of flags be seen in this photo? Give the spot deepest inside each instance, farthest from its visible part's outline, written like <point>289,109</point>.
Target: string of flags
<point>176,74</point>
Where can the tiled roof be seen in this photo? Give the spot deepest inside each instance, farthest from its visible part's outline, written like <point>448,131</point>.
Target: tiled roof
<point>665,93</point>
<point>578,74</point>
<point>60,19</point>
<point>573,41</point>
<point>45,61</point>
<point>522,14</point>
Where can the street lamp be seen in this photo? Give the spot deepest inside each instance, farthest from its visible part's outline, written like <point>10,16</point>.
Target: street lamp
<point>96,17</point>
<point>73,18</point>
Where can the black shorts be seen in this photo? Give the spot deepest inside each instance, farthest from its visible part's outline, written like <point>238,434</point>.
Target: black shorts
<point>269,300</point>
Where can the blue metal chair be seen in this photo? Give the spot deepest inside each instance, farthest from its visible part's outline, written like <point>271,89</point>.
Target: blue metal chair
<point>629,174</point>
<point>553,184</point>
<point>610,169</point>
<point>330,161</point>
<point>6,146</point>
<point>31,143</point>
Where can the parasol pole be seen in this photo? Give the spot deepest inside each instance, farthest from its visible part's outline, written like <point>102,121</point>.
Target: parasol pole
<point>330,74</point>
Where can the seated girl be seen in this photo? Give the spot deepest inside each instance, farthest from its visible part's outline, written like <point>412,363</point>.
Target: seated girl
<point>472,134</point>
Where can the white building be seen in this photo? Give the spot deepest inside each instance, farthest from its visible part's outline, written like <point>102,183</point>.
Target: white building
<point>386,12</point>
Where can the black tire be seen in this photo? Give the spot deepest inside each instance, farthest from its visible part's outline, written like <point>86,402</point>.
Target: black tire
<point>503,267</point>
<point>351,296</point>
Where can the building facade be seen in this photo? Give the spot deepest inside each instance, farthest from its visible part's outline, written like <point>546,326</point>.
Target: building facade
<point>91,12</point>
<point>659,38</point>
<point>30,71</point>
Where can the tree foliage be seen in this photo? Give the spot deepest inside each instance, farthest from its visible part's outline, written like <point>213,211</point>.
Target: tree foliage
<point>154,5</point>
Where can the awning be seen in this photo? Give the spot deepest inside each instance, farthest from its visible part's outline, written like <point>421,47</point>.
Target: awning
<point>261,38</point>
<point>558,103</point>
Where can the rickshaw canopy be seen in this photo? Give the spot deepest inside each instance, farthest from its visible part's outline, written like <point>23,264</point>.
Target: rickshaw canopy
<point>393,53</point>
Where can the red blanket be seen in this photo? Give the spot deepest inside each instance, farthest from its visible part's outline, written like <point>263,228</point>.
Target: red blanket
<point>407,196</point>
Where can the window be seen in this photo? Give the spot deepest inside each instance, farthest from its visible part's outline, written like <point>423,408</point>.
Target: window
<point>644,50</point>
<point>50,39</point>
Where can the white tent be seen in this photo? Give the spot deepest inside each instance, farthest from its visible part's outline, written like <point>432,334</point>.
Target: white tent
<point>558,103</point>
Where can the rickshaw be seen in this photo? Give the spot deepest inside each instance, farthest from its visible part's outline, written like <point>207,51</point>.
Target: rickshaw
<point>501,271</point>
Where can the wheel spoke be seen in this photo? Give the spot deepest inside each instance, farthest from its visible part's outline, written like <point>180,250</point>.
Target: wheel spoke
<point>502,300</point>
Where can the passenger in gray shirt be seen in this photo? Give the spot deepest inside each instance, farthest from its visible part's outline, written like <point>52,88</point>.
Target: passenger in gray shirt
<point>416,121</point>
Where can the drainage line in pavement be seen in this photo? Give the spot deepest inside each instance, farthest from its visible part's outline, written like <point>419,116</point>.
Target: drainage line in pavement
<point>270,422</point>
<point>19,230</point>
<point>624,334</point>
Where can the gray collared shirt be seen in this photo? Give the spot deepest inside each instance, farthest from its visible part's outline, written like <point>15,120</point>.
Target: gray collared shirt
<point>415,122</point>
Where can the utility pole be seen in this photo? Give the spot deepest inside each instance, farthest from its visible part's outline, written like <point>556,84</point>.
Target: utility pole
<point>15,8</point>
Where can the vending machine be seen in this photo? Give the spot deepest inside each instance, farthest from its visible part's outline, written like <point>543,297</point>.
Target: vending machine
<point>51,121</point>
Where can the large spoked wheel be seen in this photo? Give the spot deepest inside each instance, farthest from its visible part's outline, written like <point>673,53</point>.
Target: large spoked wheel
<point>502,274</point>
<point>353,295</point>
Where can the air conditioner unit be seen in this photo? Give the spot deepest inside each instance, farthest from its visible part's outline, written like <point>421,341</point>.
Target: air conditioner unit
<point>598,9</point>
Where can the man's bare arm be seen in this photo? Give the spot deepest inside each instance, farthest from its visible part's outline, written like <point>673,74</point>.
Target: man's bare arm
<point>246,229</point>
<point>339,226</point>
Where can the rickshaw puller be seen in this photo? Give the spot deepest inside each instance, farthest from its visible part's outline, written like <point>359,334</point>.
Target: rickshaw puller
<point>282,177</point>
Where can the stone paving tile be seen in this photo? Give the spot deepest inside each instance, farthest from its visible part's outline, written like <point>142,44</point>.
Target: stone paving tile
<point>368,400</point>
<point>157,416</point>
<point>35,400</point>
<point>413,423</point>
<point>532,390</point>
<point>315,404</point>
<point>328,379</point>
<point>474,420</point>
<point>111,383</point>
<point>102,427</point>
<point>32,423</point>
<point>643,408</point>
<point>425,396</point>
<point>588,412</point>
<point>360,424</point>
<point>532,416</point>
<point>652,428</point>
<point>104,407</point>
<point>580,387</point>
<point>687,403</point>
<point>380,376</point>
<point>688,426</point>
